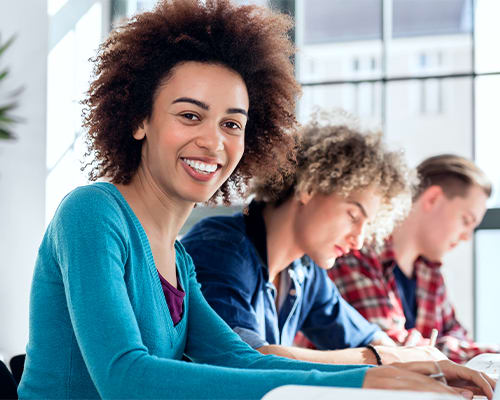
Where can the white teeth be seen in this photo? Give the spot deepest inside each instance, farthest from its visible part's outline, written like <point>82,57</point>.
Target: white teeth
<point>201,166</point>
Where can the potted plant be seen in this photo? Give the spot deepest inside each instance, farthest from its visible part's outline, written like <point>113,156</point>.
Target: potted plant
<point>8,102</point>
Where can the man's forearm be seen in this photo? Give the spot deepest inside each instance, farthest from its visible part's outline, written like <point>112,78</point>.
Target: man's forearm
<point>360,355</point>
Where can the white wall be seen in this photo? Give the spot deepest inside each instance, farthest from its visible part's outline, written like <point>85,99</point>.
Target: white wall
<point>458,272</point>
<point>22,167</point>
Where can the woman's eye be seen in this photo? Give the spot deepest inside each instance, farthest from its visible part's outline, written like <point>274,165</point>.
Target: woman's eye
<point>191,116</point>
<point>231,125</point>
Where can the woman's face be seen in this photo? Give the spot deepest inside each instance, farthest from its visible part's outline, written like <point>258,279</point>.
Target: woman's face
<point>328,226</point>
<point>194,138</point>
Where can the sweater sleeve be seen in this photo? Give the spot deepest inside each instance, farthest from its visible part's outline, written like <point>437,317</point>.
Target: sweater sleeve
<point>91,249</point>
<point>212,341</point>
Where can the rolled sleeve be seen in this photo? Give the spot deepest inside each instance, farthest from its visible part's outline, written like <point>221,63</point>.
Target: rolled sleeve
<point>252,338</point>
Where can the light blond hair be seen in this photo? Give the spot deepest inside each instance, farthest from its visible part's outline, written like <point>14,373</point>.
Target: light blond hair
<point>454,174</point>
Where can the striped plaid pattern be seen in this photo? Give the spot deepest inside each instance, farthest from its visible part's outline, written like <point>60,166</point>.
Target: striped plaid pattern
<point>366,280</point>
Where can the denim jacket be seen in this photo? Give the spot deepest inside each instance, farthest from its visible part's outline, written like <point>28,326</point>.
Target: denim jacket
<point>234,280</point>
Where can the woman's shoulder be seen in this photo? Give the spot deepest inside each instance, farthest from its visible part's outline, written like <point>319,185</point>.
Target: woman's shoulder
<point>91,204</point>
<point>97,197</point>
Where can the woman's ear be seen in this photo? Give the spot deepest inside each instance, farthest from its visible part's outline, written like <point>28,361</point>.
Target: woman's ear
<point>140,132</point>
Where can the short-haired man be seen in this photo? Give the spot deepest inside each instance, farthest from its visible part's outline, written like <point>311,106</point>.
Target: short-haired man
<point>400,287</point>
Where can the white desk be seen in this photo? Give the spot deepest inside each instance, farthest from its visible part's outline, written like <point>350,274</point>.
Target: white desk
<point>297,392</point>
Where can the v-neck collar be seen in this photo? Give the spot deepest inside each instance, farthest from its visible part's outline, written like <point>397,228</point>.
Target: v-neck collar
<point>174,331</point>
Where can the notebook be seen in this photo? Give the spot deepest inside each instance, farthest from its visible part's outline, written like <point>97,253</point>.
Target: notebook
<point>490,364</point>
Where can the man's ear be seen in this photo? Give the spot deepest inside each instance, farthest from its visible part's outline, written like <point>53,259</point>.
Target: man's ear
<point>304,197</point>
<point>431,196</point>
<point>140,132</point>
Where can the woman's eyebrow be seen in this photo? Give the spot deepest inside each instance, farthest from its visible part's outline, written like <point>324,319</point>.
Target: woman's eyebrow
<point>237,111</point>
<point>206,107</point>
<point>198,103</point>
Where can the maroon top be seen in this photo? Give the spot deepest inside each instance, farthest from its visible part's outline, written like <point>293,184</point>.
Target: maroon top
<point>174,297</point>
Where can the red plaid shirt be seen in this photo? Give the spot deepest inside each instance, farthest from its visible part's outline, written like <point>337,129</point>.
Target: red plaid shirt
<point>366,280</point>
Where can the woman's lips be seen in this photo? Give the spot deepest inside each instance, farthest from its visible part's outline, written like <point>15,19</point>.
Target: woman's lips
<point>198,174</point>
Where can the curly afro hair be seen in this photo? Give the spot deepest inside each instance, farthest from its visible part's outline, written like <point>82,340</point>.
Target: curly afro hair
<point>132,63</point>
<point>335,155</point>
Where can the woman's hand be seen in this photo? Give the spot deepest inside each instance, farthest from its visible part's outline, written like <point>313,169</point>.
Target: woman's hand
<point>395,378</point>
<point>458,376</point>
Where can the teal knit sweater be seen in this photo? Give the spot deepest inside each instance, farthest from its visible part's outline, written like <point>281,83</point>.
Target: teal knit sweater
<point>100,326</point>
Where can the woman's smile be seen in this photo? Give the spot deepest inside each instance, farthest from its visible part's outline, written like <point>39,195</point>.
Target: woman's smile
<point>200,170</point>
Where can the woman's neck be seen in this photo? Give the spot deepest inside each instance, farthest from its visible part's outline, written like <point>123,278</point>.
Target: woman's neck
<point>281,245</point>
<point>161,216</point>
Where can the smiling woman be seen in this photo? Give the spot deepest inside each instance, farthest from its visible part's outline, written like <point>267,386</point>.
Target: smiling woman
<point>188,100</point>
<point>139,58</point>
<point>195,134</point>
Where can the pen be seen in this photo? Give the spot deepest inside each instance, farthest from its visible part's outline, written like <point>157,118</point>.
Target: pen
<point>434,335</point>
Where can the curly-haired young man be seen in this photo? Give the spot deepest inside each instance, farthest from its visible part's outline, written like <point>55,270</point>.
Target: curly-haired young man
<point>400,286</point>
<point>264,272</point>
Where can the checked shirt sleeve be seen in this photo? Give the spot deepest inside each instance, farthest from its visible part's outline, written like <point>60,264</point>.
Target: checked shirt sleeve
<point>359,276</point>
<point>454,340</point>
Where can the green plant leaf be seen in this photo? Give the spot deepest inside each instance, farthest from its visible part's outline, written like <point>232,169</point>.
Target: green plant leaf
<point>7,44</point>
<point>5,134</point>
<point>7,107</point>
<point>5,119</point>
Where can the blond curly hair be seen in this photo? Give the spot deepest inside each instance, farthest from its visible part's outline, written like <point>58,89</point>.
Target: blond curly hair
<point>335,155</point>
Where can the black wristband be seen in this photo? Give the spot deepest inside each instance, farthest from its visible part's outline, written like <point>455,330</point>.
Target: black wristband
<point>375,353</point>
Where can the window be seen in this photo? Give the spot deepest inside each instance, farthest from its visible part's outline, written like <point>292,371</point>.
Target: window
<point>428,72</point>
<point>77,28</point>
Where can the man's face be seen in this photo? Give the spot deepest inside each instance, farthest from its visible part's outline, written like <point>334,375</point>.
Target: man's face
<point>328,226</point>
<point>446,222</point>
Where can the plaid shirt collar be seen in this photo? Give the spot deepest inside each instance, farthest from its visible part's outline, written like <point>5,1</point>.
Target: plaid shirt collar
<point>388,260</point>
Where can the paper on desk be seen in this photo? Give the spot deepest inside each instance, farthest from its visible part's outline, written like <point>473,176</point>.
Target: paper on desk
<point>488,362</point>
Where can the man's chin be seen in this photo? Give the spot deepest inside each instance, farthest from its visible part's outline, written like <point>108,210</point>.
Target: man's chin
<point>327,263</point>
<point>435,256</point>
